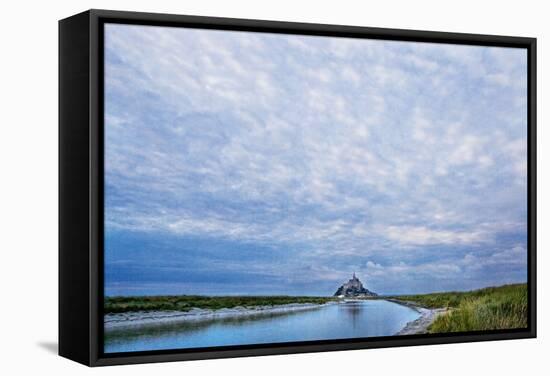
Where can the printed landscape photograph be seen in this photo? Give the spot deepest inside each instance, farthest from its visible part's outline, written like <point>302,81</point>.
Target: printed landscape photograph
<point>264,188</point>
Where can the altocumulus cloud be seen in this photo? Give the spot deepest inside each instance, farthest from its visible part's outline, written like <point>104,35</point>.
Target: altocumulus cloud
<point>260,163</point>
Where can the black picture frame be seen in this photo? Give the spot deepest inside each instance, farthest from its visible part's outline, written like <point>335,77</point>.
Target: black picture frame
<point>81,182</point>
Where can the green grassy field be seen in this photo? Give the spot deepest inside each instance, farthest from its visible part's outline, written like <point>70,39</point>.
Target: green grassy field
<point>491,308</point>
<point>186,302</point>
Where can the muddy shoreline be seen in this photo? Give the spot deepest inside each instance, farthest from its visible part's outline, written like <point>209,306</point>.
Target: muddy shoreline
<point>421,324</point>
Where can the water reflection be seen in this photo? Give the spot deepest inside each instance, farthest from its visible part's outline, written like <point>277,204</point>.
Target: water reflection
<point>352,311</point>
<point>352,319</point>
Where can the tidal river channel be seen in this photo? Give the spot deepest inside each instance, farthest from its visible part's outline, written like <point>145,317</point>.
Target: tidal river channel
<point>353,319</point>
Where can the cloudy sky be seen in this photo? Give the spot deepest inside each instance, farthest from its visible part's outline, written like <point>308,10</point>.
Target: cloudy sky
<point>251,163</point>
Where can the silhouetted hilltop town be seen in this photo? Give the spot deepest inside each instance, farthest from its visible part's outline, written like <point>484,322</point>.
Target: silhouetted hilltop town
<point>353,288</point>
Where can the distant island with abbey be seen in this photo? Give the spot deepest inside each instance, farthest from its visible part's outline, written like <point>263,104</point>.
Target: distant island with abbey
<point>353,289</point>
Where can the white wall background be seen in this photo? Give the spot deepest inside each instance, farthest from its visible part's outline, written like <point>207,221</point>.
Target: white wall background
<point>28,189</point>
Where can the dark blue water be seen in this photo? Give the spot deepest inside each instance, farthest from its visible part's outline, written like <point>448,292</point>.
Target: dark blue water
<point>346,320</point>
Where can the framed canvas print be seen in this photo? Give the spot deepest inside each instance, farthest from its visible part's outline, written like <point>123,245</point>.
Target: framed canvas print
<point>238,187</point>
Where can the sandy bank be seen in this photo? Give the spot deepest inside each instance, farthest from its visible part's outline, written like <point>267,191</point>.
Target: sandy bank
<point>421,324</point>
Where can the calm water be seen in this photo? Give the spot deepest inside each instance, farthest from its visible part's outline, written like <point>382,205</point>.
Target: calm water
<point>347,320</point>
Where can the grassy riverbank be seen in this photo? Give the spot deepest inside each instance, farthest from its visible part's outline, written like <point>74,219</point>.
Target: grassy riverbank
<point>184,303</point>
<point>491,308</point>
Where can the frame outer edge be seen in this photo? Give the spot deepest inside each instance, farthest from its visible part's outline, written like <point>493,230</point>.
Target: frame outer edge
<point>73,284</point>
<point>95,18</point>
<point>308,28</point>
<point>532,180</point>
<point>94,189</point>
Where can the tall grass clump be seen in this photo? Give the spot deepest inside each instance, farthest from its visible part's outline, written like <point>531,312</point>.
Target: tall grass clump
<point>504,308</point>
<point>491,308</point>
